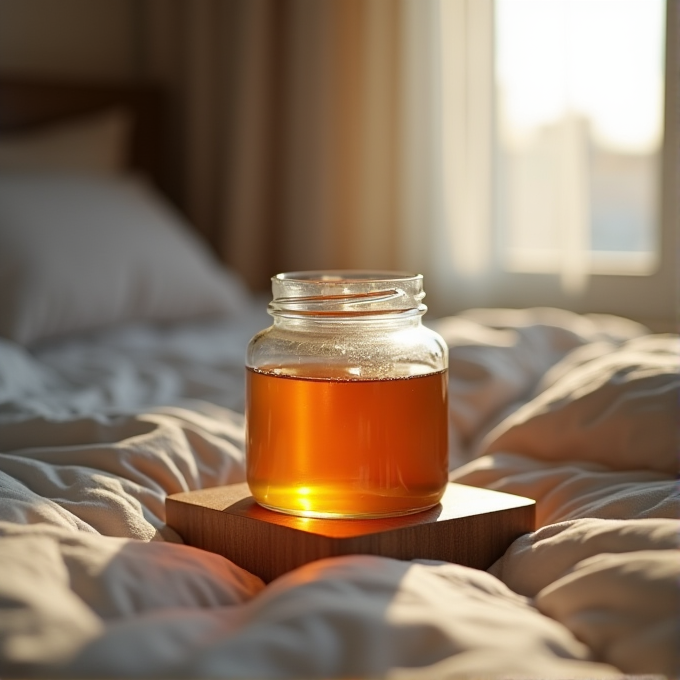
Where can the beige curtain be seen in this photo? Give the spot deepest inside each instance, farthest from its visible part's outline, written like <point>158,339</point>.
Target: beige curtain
<point>307,132</point>
<point>360,134</point>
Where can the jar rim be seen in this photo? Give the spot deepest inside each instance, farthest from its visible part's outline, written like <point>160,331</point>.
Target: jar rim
<point>337,294</point>
<point>345,276</point>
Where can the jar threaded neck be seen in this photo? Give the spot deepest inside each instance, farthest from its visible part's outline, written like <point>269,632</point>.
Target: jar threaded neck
<point>342,294</point>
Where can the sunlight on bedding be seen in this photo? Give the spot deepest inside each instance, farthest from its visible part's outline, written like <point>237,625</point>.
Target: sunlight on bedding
<point>85,470</point>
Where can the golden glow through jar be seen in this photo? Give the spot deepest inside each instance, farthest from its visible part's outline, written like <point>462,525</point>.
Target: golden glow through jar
<point>346,398</point>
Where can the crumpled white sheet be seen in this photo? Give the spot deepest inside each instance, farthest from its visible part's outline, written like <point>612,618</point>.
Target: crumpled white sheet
<point>128,368</point>
<point>574,489</point>
<point>111,474</point>
<point>93,606</point>
<point>614,583</point>
<point>498,357</point>
<point>597,449</point>
<point>95,431</point>
<point>605,559</point>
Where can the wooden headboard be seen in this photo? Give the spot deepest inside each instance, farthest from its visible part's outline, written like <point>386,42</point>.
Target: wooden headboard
<point>27,103</point>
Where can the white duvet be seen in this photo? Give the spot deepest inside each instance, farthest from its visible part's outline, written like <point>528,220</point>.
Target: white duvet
<point>579,413</point>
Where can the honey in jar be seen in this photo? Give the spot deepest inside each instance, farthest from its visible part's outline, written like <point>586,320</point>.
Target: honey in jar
<point>346,405</point>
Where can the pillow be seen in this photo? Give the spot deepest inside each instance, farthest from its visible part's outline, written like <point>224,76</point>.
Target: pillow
<point>619,410</point>
<point>93,144</point>
<point>82,252</point>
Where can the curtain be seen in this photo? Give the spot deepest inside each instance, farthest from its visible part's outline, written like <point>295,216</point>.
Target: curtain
<point>332,134</point>
<point>307,133</point>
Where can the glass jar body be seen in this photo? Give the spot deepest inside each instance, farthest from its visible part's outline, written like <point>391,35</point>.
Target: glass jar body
<point>346,399</point>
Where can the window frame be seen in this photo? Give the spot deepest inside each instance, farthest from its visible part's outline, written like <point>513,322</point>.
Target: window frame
<point>472,228</point>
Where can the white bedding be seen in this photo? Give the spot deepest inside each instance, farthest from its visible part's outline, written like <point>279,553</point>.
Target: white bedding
<point>95,431</point>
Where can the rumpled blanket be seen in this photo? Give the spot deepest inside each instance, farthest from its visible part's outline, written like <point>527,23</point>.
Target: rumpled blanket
<point>577,412</point>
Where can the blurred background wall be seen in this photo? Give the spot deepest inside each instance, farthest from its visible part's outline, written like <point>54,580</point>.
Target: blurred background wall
<point>70,38</point>
<point>372,134</point>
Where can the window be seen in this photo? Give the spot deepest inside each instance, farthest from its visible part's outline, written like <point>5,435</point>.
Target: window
<point>559,145</point>
<point>579,126</point>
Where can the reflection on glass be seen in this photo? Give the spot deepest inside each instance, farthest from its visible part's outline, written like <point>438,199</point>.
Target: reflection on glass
<point>579,89</point>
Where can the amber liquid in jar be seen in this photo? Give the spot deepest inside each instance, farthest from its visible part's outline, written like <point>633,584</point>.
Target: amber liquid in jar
<point>346,446</point>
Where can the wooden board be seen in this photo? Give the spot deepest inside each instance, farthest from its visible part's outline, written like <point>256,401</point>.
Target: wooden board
<point>470,526</point>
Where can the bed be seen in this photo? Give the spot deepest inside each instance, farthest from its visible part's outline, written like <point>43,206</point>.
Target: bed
<point>122,343</point>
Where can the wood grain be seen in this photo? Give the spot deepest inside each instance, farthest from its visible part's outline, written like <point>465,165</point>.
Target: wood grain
<point>470,526</point>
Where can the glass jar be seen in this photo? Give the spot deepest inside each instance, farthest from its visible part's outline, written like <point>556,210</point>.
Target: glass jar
<point>346,398</point>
